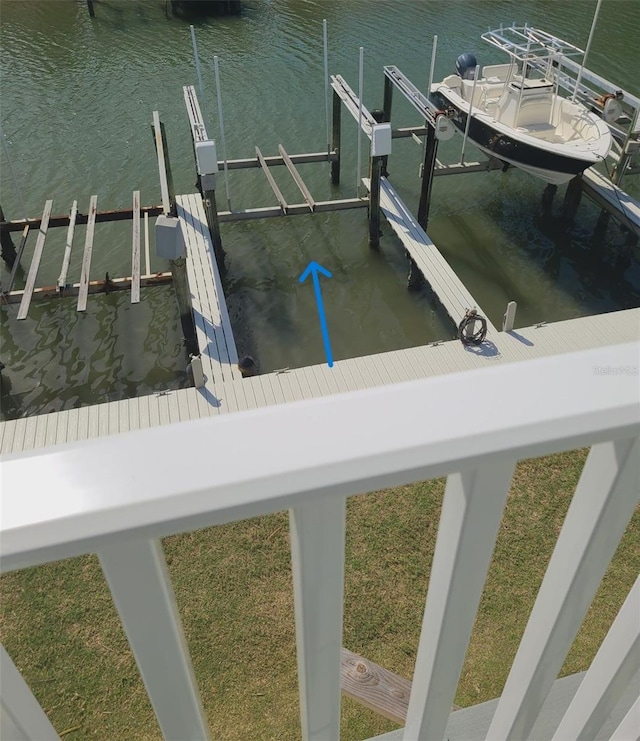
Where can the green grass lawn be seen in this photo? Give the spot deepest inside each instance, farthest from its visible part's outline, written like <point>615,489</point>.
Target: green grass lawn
<point>233,586</point>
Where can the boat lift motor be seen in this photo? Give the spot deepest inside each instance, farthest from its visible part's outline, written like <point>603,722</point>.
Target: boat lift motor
<point>466,66</point>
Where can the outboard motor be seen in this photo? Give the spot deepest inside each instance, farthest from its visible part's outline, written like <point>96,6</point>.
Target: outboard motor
<point>466,66</point>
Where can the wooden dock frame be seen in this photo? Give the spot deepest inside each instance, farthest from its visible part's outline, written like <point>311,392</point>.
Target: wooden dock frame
<point>85,286</point>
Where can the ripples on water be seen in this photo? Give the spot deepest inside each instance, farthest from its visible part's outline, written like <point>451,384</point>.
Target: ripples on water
<point>78,95</point>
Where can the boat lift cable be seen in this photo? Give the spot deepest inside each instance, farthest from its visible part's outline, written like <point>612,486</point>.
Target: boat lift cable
<point>467,332</point>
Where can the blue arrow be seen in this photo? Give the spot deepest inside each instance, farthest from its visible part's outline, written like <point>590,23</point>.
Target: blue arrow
<point>313,268</point>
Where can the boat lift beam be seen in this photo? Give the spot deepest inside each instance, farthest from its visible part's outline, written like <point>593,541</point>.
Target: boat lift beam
<point>418,100</point>
<point>352,104</point>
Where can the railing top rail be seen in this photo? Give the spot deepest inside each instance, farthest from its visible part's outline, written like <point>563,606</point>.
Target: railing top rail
<point>77,497</point>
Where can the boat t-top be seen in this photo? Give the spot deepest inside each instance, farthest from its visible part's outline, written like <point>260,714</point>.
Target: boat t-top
<point>517,113</point>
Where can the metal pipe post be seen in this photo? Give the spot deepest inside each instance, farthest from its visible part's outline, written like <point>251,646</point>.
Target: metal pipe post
<point>198,70</point>
<point>466,128</point>
<point>326,78</point>
<point>586,51</point>
<point>431,149</point>
<point>360,86</point>
<point>223,141</point>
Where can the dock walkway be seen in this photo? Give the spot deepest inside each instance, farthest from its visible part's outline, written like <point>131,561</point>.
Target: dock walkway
<point>598,187</point>
<point>446,285</point>
<point>316,381</point>
<point>211,318</point>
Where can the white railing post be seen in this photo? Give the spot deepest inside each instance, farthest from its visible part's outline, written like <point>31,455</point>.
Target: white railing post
<point>509,318</point>
<point>137,574</point>
<point>601,508</point>
<point>21,717</point>
<point>611,671</point>
<point>629,725</point>
<point>471,513</point>
<point>317,557</point>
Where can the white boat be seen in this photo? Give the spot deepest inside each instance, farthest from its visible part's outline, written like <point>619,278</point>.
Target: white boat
<point>517,113</point>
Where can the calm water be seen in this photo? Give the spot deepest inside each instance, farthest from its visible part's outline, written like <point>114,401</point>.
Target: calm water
<point>77,100</point>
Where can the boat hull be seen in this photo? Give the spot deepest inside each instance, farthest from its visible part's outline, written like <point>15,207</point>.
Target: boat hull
<point>552,166</point>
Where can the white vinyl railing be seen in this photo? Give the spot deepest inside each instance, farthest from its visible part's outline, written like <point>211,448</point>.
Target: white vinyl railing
<point>308,457</point>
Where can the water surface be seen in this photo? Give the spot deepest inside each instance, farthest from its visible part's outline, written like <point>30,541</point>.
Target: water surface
<point>77,101</point>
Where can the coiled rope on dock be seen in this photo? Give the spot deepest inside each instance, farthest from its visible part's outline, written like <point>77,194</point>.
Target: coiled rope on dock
<point>467,333</point>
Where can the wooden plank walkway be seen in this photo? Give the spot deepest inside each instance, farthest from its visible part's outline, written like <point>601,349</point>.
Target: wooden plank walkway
<point>86,258</point>
<point>319,380</point>
<point>213,327</point>
<point>35,262</point>
<point>446,285</point>
<point>62,278</point>
<point>135,250</point>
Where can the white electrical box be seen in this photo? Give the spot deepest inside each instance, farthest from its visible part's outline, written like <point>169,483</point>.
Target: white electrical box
<point>380,139</point>
<point>169,241</point>
<point>206,157</point>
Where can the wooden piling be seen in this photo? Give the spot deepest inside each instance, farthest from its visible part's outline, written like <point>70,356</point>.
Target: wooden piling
<point>548,194</point>
<point>335,138</point>
<point>16,264</point>
<point>375,172</point>
<point>386,116</point>
<point>430,151</point>
<point>6,244</point>
<point>601,225</point>
<point>211,210</point>
<point>415,278</point>
<point>183,297</point>
<point>571,201</point>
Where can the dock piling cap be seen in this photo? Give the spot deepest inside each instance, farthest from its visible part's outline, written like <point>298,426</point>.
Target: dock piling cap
<point>206,157</point>
<point>169,239</point>
<point>380,139</point>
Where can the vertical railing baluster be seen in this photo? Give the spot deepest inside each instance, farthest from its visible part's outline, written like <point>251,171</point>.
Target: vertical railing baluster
<point>21,717</point>
<point>629,725</point>
<point>602,505</point>
<point>471,513</point>
<point>317,556</point>
<point>610,673</point>
<point>137,574</point>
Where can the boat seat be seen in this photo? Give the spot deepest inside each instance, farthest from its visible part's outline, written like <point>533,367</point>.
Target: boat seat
<point>540,130</point>
<point>493,88</point>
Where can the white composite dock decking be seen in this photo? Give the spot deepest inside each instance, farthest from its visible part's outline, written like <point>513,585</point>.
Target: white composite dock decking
<point>213,328</point>
<point>608,195</point>
<point>315,381</point>
<point>446,285</point>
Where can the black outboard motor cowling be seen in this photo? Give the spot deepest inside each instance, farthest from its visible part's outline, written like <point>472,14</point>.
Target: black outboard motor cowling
<point>466,66</point>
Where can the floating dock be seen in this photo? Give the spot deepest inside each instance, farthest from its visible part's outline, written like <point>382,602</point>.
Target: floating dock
<point>437,359</point>
<point>445,284</point>
<point>213,329</point>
